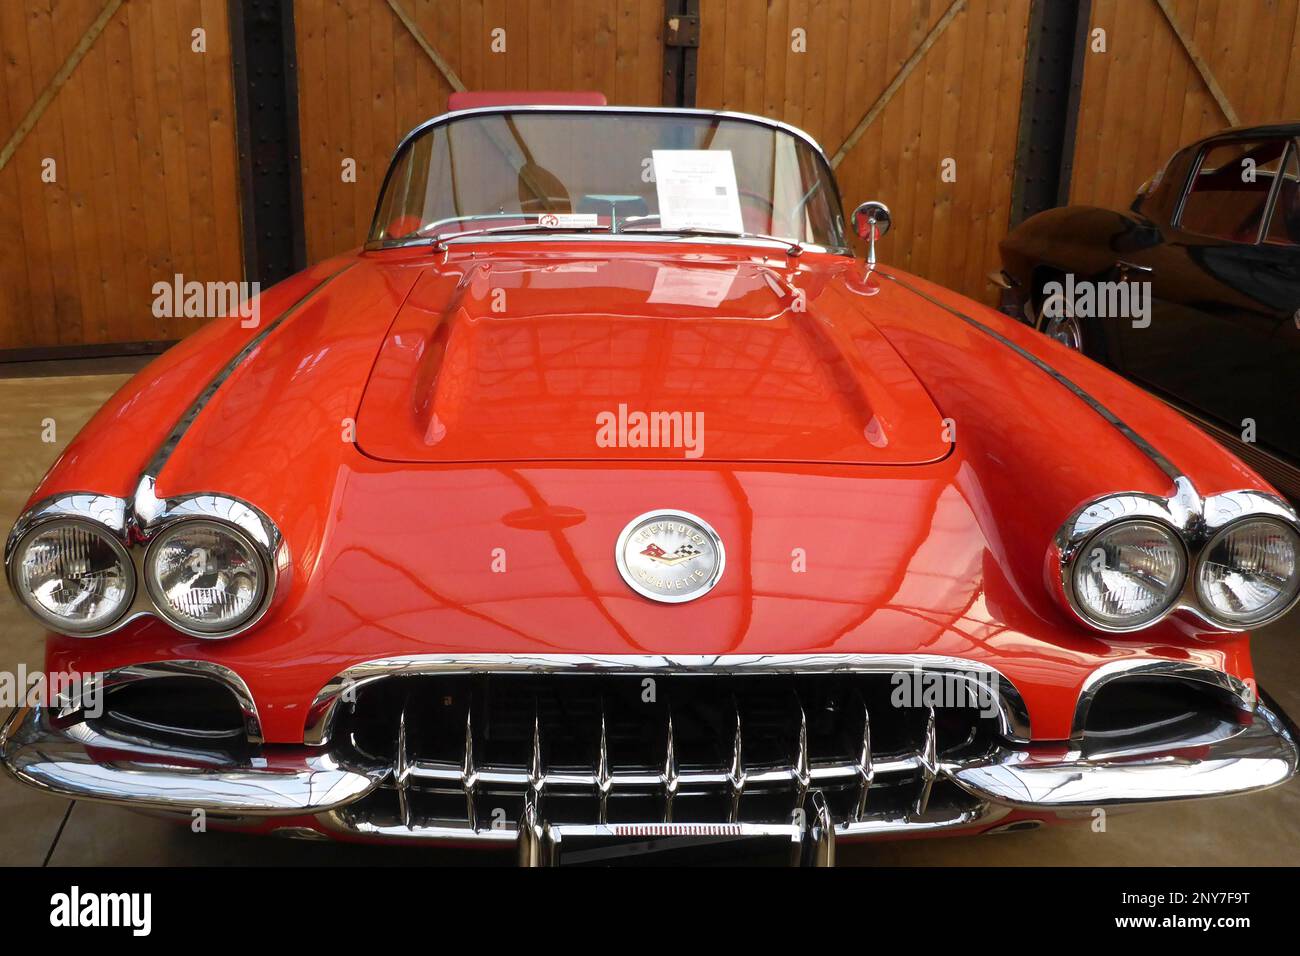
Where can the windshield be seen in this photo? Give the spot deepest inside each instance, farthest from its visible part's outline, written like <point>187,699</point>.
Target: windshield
<point>603,171</point>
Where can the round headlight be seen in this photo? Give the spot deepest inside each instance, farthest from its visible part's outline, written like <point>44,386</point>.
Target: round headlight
<point>76,576</point>
<point>206,577</point>
<point>1248,570</point>
<point>1128,574</point>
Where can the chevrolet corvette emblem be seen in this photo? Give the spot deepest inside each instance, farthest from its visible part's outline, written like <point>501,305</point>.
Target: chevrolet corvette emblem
<point>670,556</point>
<point>684,553</point>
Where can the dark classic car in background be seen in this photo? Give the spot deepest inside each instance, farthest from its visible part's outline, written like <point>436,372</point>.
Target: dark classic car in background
<point>403,563</point>
<point>1217,236</point>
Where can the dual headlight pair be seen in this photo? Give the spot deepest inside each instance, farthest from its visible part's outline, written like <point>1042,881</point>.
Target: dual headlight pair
<point>1127,561</point>
<point>208,567</point>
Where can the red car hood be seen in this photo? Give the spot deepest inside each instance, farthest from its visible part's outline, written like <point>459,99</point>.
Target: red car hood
<point>393,558</point>
<point>518,358</point>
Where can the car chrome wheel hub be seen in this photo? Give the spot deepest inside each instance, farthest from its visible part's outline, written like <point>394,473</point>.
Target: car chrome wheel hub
<point>1061,327</point>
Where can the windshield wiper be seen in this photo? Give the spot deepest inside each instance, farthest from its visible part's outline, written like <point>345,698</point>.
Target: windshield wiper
<point>792,246</point>
<point>440,241</point>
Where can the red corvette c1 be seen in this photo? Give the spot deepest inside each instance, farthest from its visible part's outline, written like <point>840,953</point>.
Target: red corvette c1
<point>604,495</point>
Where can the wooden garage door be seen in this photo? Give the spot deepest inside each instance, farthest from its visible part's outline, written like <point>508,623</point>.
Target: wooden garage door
<point>142,141</point>
<point>960,102</point>
<point>365,79</point>
<point>1247,49</point>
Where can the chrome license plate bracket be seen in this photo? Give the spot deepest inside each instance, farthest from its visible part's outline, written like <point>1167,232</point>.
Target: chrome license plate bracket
<point>673,844</point>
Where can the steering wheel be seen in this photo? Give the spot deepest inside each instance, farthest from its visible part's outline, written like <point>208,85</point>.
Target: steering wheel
<point>760,204</point>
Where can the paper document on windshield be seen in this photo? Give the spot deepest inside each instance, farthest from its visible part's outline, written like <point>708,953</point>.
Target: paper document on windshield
<point>697,190</point>
<point>698,286</point>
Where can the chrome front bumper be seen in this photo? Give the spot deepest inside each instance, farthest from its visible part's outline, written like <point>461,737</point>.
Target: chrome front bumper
<point>1264,754</point>
<point>75,761</point>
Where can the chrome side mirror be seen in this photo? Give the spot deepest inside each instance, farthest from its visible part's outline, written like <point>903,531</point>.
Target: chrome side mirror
<point>871,221</point>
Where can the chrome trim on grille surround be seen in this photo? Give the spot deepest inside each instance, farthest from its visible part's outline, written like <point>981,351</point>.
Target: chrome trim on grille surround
<point>68,757</point>
<point>1013,715</point>
<point>800,780</point>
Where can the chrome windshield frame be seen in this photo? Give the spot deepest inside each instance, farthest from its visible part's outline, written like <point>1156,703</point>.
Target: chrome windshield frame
<point>447,118</point>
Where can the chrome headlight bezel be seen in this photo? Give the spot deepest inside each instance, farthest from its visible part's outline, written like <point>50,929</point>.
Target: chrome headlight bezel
<point>1096,518</point>
<point>153,584</point>
<point>1085,549</point>
<point>1238,621</point>
<point>1196,523</point>
<point>135,528</point>
<point>84,513</point>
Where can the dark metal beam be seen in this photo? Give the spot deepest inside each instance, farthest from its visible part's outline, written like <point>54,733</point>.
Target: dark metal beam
<point>265,68</point>
<point>1049,105</point>
<point>681,51</point>
<point>98,350</point>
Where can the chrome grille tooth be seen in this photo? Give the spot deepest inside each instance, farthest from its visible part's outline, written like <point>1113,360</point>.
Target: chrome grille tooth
<point>536,776</point>
<point>800,772</point>
<point>928,762</point>
<point>669,777</point>
<point>866,769</point>
<point>817,848</point>
<point>736,775</point>
<point>528,838</point>
<point>402,771</point>
<point>870,779</point>
<point>604,779</point>
<point>468,775</point>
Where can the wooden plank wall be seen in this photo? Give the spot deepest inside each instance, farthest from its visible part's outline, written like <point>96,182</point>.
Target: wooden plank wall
<point>1143,99</point>
<point>363,81</point>
<point>143,132</point>
<point>962,101</point>
<point>144,141</point>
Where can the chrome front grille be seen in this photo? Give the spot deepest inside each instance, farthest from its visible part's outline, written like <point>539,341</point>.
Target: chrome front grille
<point>471,754</point>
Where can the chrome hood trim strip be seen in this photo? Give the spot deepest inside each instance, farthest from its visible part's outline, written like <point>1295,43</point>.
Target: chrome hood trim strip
<point>1158,459</point>
<point>1190,515</point>
<point>133,522</point>
<point>164,452</point>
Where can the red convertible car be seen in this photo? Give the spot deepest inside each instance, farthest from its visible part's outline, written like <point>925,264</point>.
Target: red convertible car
<point>605,501</point>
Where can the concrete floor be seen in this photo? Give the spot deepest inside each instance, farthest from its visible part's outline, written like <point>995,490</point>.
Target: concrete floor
<point>35,829</point>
